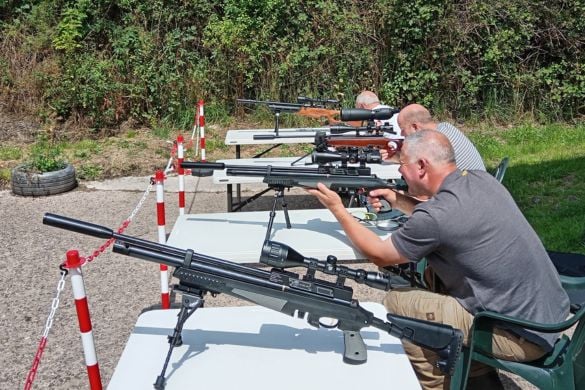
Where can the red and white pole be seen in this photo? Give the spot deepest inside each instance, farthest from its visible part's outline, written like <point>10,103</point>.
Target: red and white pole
<point>73,264</point>
<point>159,179</point>
<point>181,171</point>
<point>195,133</point>
<point>202,129</point>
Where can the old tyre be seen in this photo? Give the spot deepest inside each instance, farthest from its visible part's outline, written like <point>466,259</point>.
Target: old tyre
<point>42,184</point>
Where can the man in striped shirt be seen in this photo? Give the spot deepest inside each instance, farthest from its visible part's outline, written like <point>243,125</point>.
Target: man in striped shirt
<point>415,117</point>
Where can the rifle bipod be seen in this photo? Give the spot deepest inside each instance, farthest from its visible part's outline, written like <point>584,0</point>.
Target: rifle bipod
<point>190,302</point>
<point>278,195</point>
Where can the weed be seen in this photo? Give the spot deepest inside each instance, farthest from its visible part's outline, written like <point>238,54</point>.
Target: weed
<point>46,157</point>
<point>4,177</point>
<point>131,134</point>
<point>8,153</point>
<point>89,171</point>
<point>86,148</point>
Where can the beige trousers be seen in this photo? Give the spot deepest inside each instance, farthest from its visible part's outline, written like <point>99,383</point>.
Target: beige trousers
<point>444,309</point>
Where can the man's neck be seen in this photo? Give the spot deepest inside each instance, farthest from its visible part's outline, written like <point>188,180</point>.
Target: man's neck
<point>439,176</point>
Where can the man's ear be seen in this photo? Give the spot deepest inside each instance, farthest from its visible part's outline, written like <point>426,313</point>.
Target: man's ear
<point>422,166</point>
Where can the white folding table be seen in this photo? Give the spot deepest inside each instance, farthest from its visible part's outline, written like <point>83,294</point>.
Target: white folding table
<point>255,348</point>
<point>238,237</point>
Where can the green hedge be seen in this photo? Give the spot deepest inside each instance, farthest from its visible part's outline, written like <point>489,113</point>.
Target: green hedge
<point>107,61</point>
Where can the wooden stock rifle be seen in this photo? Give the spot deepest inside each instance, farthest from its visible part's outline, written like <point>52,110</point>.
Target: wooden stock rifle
<point>308,107</point>
<point>324,141</point>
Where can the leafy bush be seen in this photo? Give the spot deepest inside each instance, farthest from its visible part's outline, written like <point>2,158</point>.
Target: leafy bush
<point>105,62</point>
<point>45,157</point>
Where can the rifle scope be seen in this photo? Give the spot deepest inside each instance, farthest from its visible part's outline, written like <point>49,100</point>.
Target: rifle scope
<point>279,255</point>
<point>313,101</point>
<point>372,157</point>
<point>359,114</point>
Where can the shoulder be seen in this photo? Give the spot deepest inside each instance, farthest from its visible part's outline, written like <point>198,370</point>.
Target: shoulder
<point>448,128</point>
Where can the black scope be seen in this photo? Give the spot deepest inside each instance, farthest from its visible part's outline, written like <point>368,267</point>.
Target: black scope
<point>360,114</point>
<point>371,157</point>
<point>317,102</point>
<point>278,255</point>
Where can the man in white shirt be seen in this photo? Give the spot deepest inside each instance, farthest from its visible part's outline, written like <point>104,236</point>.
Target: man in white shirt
<point>369,100</point>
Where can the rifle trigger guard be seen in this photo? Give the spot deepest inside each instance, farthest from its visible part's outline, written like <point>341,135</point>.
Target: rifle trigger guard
<point>188,258</point>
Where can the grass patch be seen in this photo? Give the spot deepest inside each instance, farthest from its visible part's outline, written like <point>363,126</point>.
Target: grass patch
<point>89,171</point>
<point>85,148</point>
<point>8,153</point>
<point>546,177</point>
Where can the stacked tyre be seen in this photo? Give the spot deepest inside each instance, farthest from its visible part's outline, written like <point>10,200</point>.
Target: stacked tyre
<point>42,184</point>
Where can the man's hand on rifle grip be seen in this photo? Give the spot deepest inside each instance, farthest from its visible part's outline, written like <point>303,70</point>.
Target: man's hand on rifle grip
<point>374,197</point>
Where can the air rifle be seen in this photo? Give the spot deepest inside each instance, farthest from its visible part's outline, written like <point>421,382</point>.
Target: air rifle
<point>320,302</point>
<point>334,177</point>
<point>324,141</point>
<point>312,108</point>
<point>333,130</point>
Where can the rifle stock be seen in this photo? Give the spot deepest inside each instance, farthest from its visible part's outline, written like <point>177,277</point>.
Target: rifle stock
<point>283,291</point>
<point>320,113</point>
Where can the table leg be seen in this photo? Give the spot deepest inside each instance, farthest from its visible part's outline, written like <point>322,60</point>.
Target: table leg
<point>238,187</point>
<point>230,200</point>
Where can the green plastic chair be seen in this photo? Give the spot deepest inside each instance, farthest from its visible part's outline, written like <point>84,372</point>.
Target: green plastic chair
<point>562,368</point>
<point>501,169</point>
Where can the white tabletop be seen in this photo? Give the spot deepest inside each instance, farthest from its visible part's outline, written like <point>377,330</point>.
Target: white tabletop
<point>246,137</point>
<point>239,236</point>
<point>383,171</point>
<point>256,348</point>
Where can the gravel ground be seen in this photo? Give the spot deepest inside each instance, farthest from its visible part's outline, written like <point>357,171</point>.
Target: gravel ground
<point>118,288</point>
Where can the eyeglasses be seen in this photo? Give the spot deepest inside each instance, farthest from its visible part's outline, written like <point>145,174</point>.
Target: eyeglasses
<point>402,163</point>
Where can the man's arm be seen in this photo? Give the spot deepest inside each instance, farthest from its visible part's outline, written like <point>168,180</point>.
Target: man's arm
<point>380,252</point>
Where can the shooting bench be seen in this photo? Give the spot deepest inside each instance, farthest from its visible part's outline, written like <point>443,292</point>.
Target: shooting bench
<point>238,237</point>
<point>250,347</point>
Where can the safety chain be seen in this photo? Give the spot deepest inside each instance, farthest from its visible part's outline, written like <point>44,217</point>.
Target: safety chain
<point>48,324</point>
<point>104,246</point>
<point>61,285</point>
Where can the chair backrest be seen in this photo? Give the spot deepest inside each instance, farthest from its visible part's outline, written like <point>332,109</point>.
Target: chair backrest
<point>563,367</point>
<point>501,169</point>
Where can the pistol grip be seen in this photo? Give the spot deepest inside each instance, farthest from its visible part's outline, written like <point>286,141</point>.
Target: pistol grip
<point>355,351</point>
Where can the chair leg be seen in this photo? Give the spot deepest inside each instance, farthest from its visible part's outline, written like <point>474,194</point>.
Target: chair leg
<point>458,380</point>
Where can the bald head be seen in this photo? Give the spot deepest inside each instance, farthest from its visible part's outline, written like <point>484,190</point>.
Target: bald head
<point>415,117</point>
<point>430,145</point>
<point>367,99</point>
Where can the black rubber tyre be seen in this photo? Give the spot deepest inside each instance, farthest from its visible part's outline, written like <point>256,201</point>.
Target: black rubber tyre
<point>42,184</point>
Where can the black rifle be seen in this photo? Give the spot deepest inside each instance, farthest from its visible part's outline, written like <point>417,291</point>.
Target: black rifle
<point>337,178</point>
<point>367,130</point>
<point>322,303</point>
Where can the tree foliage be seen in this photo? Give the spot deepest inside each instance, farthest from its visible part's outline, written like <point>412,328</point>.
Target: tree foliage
<point>105,61</point>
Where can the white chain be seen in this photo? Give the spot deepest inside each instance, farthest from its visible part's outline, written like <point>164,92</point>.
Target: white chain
<point>140,202</point>
<point>54,304</point>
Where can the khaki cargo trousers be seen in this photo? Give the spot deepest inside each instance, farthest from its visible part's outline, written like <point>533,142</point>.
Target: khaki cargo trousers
<point>426,305</point>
